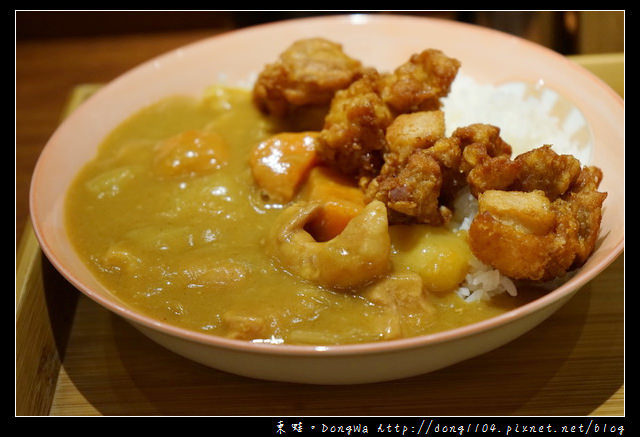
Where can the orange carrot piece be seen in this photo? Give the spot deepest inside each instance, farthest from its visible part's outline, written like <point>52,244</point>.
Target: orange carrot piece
<point>341,201</point>
<point>281,163</point>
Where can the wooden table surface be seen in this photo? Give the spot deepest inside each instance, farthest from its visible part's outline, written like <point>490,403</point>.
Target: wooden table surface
<point>572,364</point>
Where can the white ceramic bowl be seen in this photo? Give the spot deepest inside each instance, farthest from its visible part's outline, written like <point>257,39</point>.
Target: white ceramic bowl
<point>378,40</point>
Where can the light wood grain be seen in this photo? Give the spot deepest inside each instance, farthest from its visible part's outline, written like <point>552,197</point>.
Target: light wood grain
<point>45,304</point>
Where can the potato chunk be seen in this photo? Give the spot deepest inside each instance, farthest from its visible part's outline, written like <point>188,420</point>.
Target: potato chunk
<point>111,182</point>
<point>214,274</point>
<point>439,256</point>
<point>405,302</point>
<point>192,152</point>
<point>120,257</point>
<point>242,326</point>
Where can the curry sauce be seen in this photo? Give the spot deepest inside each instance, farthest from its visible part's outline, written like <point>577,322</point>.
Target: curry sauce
<point>169,219</point>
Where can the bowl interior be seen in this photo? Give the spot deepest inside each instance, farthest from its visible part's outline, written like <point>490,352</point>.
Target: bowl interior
<point>380,41</point>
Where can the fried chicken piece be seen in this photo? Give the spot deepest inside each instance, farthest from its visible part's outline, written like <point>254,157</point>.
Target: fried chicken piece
<point>475,155</point>
<point>585,203</point>
<point>411,190</point>
<point>528,212</point>
<point>308,72</point>
<point>354,131</point>
<point>493,173</point>
<point>544,169</point>
<point>486,158</point>
<point>589,178</point>
<point>420,83</point>
<point>417,130</point>
<point>353,136</point>
<point>480,141</point>
<point>420,173</point>
<point>499,239</point>
<point>526,235</point>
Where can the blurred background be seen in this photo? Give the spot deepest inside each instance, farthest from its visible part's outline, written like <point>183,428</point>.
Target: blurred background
<point>58,51</point>
<point>568,32</point>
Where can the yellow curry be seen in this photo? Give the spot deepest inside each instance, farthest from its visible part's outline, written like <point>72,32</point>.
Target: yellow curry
<point>168,216</point>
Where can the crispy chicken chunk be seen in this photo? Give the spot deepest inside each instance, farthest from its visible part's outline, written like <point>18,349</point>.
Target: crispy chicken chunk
<point>420,83</point>
<point>499,239</point>
<point>417,130</point>
<point>486,158</point>
<point>353,136</point>
<point>420,169</point>
<point>354,131</point>
<point>585,204</point>
<point>540,233</point>
<point>544,169</point>
<point>411,190</point>
<point>308,72</point>
<point>483,141</point>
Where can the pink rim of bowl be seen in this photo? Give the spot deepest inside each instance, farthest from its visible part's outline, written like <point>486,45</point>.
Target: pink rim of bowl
<point>394,38</point>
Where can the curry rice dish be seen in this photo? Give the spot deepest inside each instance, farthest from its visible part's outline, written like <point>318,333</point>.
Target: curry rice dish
<point>327,205</point>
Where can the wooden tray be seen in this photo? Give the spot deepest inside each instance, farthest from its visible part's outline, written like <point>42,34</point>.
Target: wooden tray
<point>74,358</point>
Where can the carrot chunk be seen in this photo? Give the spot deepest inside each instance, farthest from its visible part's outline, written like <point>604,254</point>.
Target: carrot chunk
<point>341,201</point>
<point>281,163</point>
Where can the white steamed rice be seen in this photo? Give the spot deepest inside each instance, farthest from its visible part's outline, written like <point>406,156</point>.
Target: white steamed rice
<point>529,116</point>
<point>482,281</point>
